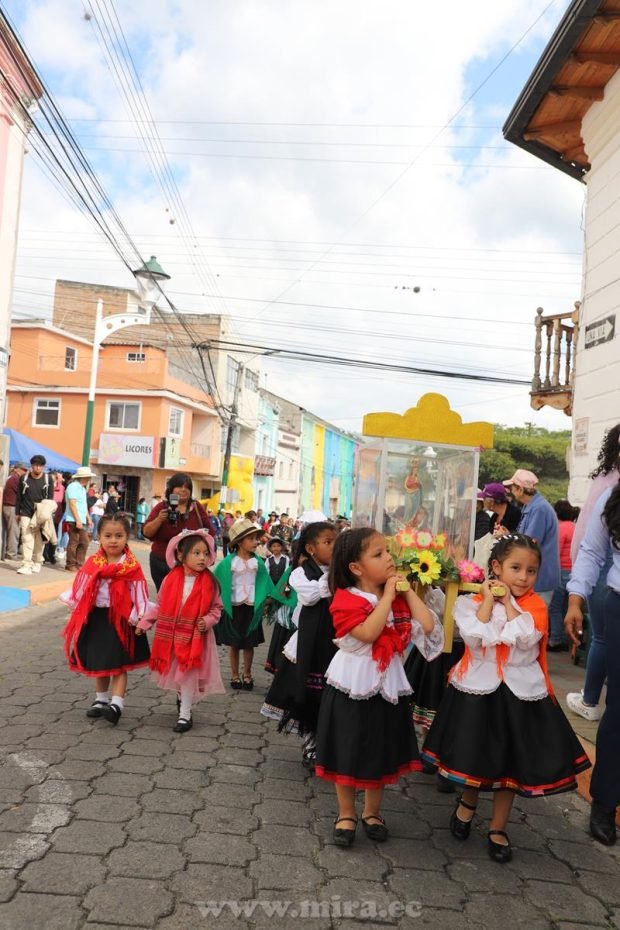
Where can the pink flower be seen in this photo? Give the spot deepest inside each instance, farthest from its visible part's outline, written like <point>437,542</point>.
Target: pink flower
<point>423,539</point>
<point>470,572</point>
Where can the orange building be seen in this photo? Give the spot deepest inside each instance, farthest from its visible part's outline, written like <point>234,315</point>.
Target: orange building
<point>148,422</point>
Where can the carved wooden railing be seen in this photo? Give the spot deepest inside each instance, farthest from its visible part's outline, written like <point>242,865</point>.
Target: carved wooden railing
<point>556,344</point>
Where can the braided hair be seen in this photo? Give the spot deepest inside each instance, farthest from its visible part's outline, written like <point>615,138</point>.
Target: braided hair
<point>505,545</point>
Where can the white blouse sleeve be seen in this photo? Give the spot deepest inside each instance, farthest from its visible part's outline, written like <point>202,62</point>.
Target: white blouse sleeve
<point>521,632</point>
<point>430,645</point>
<point>139,601</point>
<point>66,598</point>
<point>308,592</point>
<point>474,631</point>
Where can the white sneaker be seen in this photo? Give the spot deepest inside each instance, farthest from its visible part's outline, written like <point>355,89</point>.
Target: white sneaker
<point>36,568</point>
<point>24,570</point>
<point>574,700</point>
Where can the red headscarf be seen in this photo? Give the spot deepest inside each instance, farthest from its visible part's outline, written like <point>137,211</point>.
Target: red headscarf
<point>176,630</point>
<point>348,610</point>
<point>529,603</point>
<point>84,593</point>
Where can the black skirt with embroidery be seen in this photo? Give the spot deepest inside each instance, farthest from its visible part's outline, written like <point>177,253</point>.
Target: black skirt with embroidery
<point>100,651</point>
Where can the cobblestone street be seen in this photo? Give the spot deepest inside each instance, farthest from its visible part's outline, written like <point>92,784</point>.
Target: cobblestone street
<point>135,826</point>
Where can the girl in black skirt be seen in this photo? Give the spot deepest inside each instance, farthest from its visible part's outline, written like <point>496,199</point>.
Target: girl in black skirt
<point>498,727</point>
<point>295,695</point>
<point>365,737</point>
<point>109,596</point>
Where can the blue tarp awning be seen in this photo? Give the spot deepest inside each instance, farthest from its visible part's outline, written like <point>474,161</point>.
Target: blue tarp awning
<point>22,448</point>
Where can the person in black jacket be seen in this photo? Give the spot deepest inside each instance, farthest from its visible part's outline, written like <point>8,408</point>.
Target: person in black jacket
<point>33,487</point>
<point>505,513</point>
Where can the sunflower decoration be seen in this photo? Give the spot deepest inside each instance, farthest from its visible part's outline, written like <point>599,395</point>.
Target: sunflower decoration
<point>426,567</point>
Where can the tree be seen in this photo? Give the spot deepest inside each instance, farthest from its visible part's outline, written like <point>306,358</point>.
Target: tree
<point>533,448</point>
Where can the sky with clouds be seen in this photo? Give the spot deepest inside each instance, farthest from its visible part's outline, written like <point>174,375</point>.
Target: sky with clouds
<point>331,155</point>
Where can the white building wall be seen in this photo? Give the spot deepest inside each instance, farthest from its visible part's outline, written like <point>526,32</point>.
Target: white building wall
<point>11,186</point>
<point>596,401</point>
<point>286,479</point>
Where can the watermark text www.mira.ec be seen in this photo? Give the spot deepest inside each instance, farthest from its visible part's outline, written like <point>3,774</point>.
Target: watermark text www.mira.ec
<point>334,906</point>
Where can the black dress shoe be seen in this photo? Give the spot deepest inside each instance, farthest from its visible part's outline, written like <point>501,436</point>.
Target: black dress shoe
<point>460,829</point>
<point>603,824</point>
<point>96,709</point>
<point>112,713</point>
<point>499,852</point>
<point>183,725</point>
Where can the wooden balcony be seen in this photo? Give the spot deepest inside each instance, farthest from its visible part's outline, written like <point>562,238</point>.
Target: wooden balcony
<point>555,347</point>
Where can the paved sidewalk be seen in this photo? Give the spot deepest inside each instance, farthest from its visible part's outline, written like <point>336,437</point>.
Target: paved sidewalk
<point>134,826</point>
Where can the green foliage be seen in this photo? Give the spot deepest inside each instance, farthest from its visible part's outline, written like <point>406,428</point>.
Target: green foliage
<point>531,447</point>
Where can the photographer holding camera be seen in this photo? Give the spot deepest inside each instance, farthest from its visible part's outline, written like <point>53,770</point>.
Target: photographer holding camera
<point>178,511</point>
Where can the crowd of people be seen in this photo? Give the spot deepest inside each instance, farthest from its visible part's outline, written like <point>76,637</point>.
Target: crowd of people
<point>356,655</point>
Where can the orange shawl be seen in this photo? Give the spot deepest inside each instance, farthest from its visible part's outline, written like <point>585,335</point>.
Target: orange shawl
<point>529,603</point>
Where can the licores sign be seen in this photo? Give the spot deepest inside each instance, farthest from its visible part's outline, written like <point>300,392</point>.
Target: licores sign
<point>138,451</point>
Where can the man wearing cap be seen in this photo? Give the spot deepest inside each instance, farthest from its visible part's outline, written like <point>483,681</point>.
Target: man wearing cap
<point>538,520</point>
<point>10,519</point>
<point>33,487</point>
<point>78,519</point>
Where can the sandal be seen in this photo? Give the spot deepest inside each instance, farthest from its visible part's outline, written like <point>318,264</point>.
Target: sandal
<point>375,831</point>
<point>183,724</point>
<point>461,829</point>
<point>344,837</point>
<point>235,684</point>
<point>499,852</point>
<point>248,683</point>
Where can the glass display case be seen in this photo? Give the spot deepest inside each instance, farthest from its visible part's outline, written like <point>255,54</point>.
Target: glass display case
<point>402,483</point>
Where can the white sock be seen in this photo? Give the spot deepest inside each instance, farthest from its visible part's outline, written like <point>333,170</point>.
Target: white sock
<point>119,701</point>
<point>185,710</point>
<point>102,696</point>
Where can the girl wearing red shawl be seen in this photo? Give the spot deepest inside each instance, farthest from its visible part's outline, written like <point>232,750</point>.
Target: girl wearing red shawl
<point>108,597</point>
<point>365,736</point>
<point>498,727</point>
<point>184,655</point>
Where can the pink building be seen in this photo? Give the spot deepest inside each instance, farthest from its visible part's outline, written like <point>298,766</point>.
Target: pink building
<point>20,88</point>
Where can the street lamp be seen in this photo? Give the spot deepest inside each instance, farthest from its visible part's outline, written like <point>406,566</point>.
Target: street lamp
<point>148,279</point>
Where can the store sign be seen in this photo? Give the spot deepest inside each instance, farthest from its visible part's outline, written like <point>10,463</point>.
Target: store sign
<point>264,465</point>
<point>118,449</point>
<point>580,436</point>
<point>602,331</point>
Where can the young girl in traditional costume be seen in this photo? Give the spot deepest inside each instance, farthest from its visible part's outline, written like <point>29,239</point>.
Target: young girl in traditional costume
<point>108,597</point>
<point>365,737</point>
<point>184,654</point>
<point>245,587</point>
<point>499,727</point>
<point>279,567</point>
<point>295,694</point>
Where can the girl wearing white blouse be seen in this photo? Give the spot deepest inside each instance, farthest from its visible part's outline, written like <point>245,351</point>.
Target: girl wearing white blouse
<point>245,587</point>
<point>499,727</point>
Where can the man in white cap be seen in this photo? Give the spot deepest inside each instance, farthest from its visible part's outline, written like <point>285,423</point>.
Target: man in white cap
<point>539,521</point>
<point>78,519</point>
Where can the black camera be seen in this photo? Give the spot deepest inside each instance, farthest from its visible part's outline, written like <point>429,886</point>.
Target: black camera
<point>173,504</point>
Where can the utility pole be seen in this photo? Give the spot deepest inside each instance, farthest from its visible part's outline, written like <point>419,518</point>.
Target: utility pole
<point>234,412</point>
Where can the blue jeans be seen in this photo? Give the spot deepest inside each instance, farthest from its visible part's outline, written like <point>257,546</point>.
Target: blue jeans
<point>605,787</point>
<point>557,610</point>
<point>596,666</point>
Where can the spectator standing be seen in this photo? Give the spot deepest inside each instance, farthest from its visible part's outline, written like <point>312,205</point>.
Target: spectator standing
<point>112,505</point>
<point>565,513</point>
<point>165,522</point>
<point>49,550</point>
<point>539,522</point>
<point>227,521</point>
<point>10,520</point>
<point>96,512</point>
<point>33,487</point>
<point>483,521</point>
<point>505,513</point>
<point>284,530</point>
<point>78,519</point>
<point>216,526</point>
<point>142,512</point>
<point>605,476</point>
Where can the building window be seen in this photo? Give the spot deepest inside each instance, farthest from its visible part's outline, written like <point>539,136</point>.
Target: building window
<point>136,356</point>
<point>280,469</point>
<point>290,471</point>
<point>251,380</point>
<point>175,422</point>
<point>46,412</point>
<point>123,416</point>
<point>70,358</point>
<point>232,367</point>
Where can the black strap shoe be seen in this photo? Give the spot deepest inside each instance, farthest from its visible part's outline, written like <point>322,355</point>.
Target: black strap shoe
<point>112,713</point>
<point>341,836</point>
<point>603,824</point>
<point>460,829</point>
<point>499,852</point>
<point>96,709</point>
<point>182,725</point>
